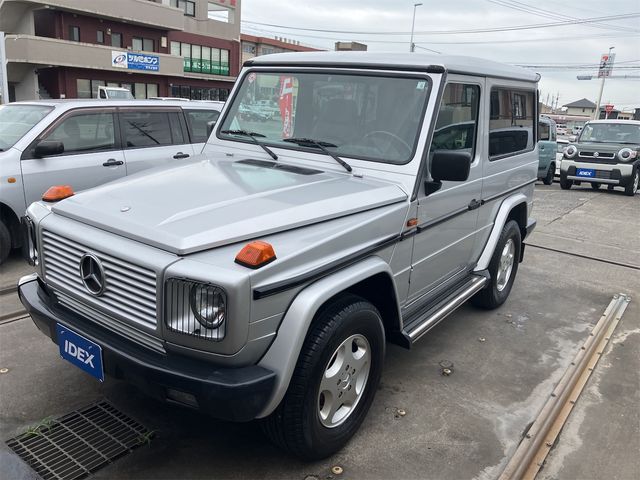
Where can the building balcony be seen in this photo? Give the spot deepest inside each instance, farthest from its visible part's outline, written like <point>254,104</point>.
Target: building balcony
<point>46,52</point>
<point>136,12</point>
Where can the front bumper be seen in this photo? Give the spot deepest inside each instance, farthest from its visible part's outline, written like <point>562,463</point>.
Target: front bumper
<point>609,173</point>
<point>236,394</point>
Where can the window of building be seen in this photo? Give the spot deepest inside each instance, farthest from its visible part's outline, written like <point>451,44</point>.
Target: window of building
<point>198,120</point>
<point>143,44</point>
<point>145,129</point>
<point>85,133</point>
<point>457,124</point>
<point>511,125</point>
<point>188,7</point>
<point>224,62</point>
<point>100,36</point>
<point>94,87</point>
<point>185,49</point>
<point>215,61</point>
<point>196,58</point>
<point>74,33</point>
<point>152,90</point>
<point>83,87</point>
<point>175,48</point>
<point>248,48</point>
<point>206,59</point>
<point>116,39</point>
<point>217,12</point>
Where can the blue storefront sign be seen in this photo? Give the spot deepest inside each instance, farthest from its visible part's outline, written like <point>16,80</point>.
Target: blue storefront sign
<point>135,61</point>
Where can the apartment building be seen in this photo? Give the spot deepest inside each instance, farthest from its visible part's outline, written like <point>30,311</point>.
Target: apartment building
<point>167,48</point>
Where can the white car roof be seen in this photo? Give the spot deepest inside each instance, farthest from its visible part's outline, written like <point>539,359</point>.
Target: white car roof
<point>405,61</point>
<point>67,104</point>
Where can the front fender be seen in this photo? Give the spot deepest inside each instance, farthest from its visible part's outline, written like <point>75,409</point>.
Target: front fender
<point>283,354</point>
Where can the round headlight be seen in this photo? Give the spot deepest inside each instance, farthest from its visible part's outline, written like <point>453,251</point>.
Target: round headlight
<point>570,151</point>
<point>209,305</point>
<point>626,154</point>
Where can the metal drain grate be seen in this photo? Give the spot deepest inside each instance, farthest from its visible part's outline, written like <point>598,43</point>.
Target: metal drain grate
<point>79,443</point>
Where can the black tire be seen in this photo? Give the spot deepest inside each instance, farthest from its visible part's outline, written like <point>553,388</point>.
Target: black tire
<point>564,183</point>
<point>548,180</point>
<point>632,187</point>
<point>5,242</point>
<point>595,185</point>
<point>295,425</point>
<point>491,296</point>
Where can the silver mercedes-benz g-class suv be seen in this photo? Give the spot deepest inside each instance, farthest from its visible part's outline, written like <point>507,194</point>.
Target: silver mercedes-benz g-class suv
<point>263,280</point>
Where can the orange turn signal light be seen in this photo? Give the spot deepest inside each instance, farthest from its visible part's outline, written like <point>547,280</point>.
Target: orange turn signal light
<point>256,254</point>
<point>57,192</point>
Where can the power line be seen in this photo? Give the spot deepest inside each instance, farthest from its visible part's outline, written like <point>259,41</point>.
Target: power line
<point>457,32</point>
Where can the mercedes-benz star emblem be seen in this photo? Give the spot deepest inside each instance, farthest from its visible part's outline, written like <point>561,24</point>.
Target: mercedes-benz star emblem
<point>92,274</point>
<point>596,154</point>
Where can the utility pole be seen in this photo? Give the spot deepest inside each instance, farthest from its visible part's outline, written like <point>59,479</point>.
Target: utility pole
<point>412,46</point>
<point>596,115</point>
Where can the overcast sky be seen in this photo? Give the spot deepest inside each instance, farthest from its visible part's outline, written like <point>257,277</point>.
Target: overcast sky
<point>574,45</point>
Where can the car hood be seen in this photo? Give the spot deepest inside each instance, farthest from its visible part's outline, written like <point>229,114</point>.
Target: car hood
<point>211,203</point>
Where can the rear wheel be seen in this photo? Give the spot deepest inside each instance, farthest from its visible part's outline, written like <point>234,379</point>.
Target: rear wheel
<point>632,187</point>
<point>548,180</point>
<point>334,382</point>
<point>5,242</point>
<point>564,183</point>
<point>595,185</point>
<point>502,268</point>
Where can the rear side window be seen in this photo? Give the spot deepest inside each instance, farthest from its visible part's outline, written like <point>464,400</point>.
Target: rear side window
<point>85,133</point>
<point>511,123</point>
<point>544,131</point>
<point>198,120</point>
<point>146,129</point>
<point>457,123</point>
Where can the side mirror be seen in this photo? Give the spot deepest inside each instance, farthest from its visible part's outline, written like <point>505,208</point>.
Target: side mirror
<point>450,166</point>
<point>210,126</point>
<point>47,148</point>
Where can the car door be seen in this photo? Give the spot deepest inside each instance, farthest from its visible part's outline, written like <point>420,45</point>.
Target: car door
<point>91,156</point>
<point>152,137</point>
<point>447,218</point>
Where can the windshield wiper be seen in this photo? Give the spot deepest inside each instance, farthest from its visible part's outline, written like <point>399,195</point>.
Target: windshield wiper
<point>322,146</point>
<point>252,136</point>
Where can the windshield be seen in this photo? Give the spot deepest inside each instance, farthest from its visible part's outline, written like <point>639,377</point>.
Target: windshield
<point>363,116</point>
<point>16,120</point>
<point>611,133</point>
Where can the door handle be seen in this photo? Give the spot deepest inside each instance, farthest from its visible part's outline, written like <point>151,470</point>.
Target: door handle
<point>112,162</point>
<point>473,204</point>
<point>180,155</point>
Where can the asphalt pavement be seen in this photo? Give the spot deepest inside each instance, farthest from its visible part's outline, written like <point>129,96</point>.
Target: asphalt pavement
<point>465,425</point>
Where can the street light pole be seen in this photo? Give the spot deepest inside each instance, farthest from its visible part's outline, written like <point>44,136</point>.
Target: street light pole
<point>412,46</point>
<point>596,115</point>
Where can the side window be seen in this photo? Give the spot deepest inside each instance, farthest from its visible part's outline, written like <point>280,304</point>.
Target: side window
<point>85,133</point>
<point>198,120</point>
<point>145,129</point>
<point>511,122</point>
<point>457,123</point>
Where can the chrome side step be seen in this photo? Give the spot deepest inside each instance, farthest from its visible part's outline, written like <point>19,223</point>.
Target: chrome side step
<point>433,314</point>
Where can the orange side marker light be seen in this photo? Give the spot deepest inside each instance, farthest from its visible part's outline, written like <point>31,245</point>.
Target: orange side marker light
<point>256,254</point>
<point>57,193</point>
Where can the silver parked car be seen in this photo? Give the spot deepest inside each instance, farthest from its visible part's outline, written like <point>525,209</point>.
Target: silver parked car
<point>84,143</point>
<point>264,281</point>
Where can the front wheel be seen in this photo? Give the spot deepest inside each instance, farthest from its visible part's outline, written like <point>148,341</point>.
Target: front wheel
<point>5,242</point>
<point>334,382</point>
<point>548,180</point>
<point>632,187</point>
<point>595,185</point>
<point>564,183</point>
<point>502,268</point>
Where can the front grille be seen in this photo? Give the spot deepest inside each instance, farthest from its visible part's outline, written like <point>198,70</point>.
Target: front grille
<point>112,324</point>
<point>81,442</point>
<point>605,155</point>
<point>130,290</point>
